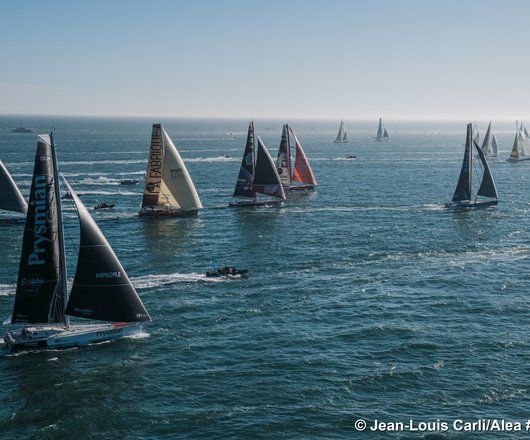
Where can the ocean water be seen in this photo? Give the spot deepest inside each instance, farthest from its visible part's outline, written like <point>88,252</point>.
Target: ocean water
<point>366,299</point>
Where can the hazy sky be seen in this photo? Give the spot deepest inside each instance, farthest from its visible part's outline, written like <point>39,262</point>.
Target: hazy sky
<point>284,59</point>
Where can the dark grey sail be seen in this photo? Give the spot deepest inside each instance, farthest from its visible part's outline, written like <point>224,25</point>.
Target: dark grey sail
<point>266,178</point>
<point>463,187</point>
<point>246,172</point>
<point>101,289</point>
<point>39,276</point>
<point>487,186</point>
<point>11,198</point>
<point>283,162</point>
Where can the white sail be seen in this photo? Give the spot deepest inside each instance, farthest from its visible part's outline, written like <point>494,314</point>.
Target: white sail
<point>342,136</point>
<point>487,143</point>
<point>518,145</point>
<point>176,187</point>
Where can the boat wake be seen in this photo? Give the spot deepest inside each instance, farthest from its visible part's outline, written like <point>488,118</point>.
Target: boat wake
<point>99,181</point>
<point>7,289</point>
<point>103,162</point>
<point>211,159</point>
<point>107,193</point>
<point>150,281</point>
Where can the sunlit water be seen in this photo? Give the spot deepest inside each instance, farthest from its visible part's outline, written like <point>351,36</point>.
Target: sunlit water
<point>366,299</point>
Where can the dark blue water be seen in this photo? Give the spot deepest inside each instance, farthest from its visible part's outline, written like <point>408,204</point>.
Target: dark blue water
<point>366,299</point>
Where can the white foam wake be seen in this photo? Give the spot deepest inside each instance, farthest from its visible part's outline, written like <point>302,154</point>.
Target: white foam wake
<point>7,289</point>
<point>150,281</point>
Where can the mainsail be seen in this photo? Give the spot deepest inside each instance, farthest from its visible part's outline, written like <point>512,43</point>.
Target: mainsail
<point>101,289</point>
<point>283,162</point>
<point>11,198</point>
<point>302,172</point>
<point>246,171</point>
<point>342,136</point>
<point>489,144</point>
<point>41,275</point>
<point>167,181</point>
<point>266,178</point>
<point>518,145</point>
<point>463,187</point>
<point>379,135</point>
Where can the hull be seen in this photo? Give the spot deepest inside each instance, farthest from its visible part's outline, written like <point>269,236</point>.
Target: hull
<point>340,142</point>
<point>470,204</point>
<point>518,159</point>
<point>162,211</point>
<point>40,336</point>
<point>235,274</point>
<point>300,187</point>
<point>252,203</point>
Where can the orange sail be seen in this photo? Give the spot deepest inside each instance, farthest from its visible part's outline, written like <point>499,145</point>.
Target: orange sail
<point>302,172</point>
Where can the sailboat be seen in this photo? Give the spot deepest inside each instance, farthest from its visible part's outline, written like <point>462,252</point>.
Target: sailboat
<point>301,177</point>
<point>463,196</point>
<point>11,199</point>
<point>168,188</point>
<point>490,147</point>
<point>518,152</point>
<point>257,176</point>
<point>100,291</point>
<point>382,134</point>
<point>342,136</point>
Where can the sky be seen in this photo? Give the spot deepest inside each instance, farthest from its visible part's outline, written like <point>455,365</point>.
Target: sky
<point>354,59</point>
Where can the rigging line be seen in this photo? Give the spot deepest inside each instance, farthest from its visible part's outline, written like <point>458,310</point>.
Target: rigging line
<point>65,227</point>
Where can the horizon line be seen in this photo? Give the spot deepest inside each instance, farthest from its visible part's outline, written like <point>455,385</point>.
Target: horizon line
<point>272,118</point>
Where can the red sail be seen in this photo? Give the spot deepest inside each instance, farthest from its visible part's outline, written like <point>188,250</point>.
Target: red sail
<point>302,172</point>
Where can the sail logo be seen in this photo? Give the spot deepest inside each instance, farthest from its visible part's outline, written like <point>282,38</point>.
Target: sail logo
<point>110,332</point>
<point>151,187</point>
<point>108,275</point>
<point>32,283</point>
<point>40,221</point>
<point>84,312</point>
<point>155,159</point>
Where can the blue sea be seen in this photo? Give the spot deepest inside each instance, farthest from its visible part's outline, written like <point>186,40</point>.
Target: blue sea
<point>366,299</point>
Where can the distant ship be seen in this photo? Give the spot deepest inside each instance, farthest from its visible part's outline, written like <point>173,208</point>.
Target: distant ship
<point>22,130</point>
<point>463,196</point>
<point>342,136</point>
<point>168,189</point>
<point>519,152</point>
<point>301,177</point>
<point>382,134</point>
<point>257,175</point>
<point>490,147</point>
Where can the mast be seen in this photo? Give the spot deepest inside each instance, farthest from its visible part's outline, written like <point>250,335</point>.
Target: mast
<point>254,157</point>
<point>62,285</point>
<point>289,153</point>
